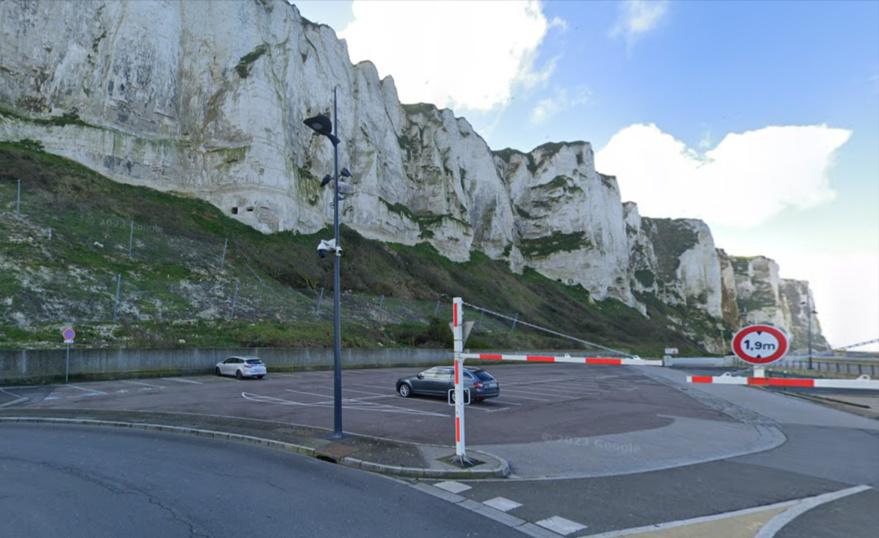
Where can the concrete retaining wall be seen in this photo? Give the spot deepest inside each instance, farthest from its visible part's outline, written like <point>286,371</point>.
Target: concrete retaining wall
<point>43,366</point>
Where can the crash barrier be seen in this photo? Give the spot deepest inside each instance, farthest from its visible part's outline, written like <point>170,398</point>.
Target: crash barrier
<point>460,332</point>
<point>612,361</point>
<point>862,382</point>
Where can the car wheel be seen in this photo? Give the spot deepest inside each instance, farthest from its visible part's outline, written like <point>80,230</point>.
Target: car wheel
<point>217,370</point>
<point>404,390</point>
<point>238,374</point>
<point>259,377</point>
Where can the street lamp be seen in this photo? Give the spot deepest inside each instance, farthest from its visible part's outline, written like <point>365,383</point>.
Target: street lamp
<point>811,310</point>
<point>322,125</point>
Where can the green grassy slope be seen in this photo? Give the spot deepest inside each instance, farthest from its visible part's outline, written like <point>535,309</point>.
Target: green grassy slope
<point>60,258</point>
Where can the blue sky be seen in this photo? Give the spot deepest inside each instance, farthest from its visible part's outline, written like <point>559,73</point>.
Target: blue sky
<point>782,99</point>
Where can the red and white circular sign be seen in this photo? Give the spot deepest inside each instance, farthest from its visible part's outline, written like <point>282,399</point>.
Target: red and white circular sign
<point>760,344</point>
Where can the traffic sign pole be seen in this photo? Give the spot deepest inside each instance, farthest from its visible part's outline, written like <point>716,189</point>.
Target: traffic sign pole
<point>69,335</point>
<point>458,336</point>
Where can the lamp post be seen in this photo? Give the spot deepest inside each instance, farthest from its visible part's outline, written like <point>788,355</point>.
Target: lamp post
<point>808,304</point>
<point>322,125</point>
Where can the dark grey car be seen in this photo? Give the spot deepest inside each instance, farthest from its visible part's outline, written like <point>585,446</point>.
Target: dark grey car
<point>437,381</point>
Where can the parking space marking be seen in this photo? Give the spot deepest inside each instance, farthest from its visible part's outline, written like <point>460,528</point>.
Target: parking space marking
<point>357,400</point>
<point>552,395</point>
<point>90,391</point>
<point>362,406</point>
<point>143,384</point>
<point>518,396</point>
<point>181,380</point>
<point>452,487</point>
<point>346,389</point>
<point>561,525</point>
<point>369,386</point>
<point>502,503</point>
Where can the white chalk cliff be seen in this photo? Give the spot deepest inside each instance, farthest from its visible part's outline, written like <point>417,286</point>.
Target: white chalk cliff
<point>208,99</point>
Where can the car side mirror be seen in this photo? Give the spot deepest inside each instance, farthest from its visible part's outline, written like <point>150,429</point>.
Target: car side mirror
<point>420,376</point>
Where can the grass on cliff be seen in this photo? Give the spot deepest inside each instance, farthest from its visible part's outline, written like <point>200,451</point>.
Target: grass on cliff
<point>176,293</point>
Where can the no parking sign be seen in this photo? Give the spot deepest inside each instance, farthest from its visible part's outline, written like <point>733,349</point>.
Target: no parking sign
<point>68,334</point>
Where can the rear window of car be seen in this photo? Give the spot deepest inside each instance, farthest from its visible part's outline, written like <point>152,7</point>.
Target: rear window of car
<point>254,361</point>
<point>483,375</point>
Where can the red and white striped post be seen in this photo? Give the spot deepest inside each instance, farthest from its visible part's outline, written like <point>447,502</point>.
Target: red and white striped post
<point>458,337</point>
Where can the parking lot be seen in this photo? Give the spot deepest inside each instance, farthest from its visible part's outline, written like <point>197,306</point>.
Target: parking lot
<point>537,402</point>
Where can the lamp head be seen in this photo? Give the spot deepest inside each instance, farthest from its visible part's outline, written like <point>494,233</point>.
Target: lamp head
<point>321,124</point>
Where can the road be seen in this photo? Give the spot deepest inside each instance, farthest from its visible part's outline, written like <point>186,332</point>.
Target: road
<point>83,481</point>
<point>592,449</point>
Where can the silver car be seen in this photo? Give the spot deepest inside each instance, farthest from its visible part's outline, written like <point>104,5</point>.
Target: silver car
<point>242,367</point>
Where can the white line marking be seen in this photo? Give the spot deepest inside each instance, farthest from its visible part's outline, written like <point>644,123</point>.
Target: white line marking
<point>143,384</point>
<point>90,391</point>
<point>364,406</point>
<point>561,525</point>
<point>705,519</point>
<point>9,393</point>
<point>370,386</point>
<point>181,380</point>
<point>346,389</point>
<point>451,486</point>
<point>519,397</point>
<point>778,522</point>
<point>502,503</point>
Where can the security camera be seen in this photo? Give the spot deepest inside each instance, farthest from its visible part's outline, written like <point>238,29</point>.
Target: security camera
<point>328,245</point>
<point>325,180</point>
<point>345,173</point>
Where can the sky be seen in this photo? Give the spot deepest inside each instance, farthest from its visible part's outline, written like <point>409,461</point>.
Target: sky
<point>760,118</point>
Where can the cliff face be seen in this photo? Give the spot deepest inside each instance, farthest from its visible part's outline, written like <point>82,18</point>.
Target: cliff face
<point>207,99</point>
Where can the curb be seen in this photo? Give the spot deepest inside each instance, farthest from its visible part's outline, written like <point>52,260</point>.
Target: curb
<point>501,471</point>
<point>211,434</point>
<point>412,472</point>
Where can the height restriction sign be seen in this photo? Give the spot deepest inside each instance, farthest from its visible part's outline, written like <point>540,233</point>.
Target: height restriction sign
<point>760,344</point>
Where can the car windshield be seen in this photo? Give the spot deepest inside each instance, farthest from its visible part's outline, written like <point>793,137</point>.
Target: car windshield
<point>254,361</point>
<point>483,375</point>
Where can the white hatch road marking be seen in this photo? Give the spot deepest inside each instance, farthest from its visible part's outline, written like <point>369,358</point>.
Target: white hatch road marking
<point>90,391</point>
<point>778,522</point>
<point>502,503</point>
<point>561,525</point>
<point>792,504</point>
<point>452,487</point>
<point>181,380</point>
<point>143,384</point>
<point>359,406</point>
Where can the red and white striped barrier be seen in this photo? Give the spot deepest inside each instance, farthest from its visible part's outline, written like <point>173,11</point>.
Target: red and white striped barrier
<point>614,361</point>
<point>862,382</point>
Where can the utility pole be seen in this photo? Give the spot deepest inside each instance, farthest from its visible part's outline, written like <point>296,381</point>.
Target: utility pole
<point>809,299</point>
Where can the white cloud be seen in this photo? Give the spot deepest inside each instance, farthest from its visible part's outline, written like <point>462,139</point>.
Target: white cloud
<point>550,106</point>
<point>746,179</point>
<point>465,55</point>
<point>637,17</point>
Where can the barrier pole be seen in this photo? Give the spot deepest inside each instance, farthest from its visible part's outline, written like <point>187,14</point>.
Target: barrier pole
<point>458,338</point>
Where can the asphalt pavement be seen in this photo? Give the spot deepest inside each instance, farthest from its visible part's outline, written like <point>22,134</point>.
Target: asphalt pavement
<point>623,450</point>
<point>83,481</point>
